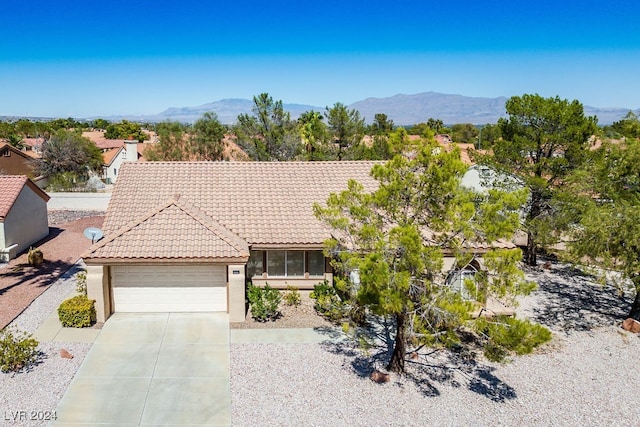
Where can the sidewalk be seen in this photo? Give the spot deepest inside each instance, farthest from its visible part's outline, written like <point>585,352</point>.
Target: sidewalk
<point>52,330</point>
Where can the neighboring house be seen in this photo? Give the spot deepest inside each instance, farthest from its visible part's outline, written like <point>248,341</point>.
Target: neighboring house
<point>17,162</point>
<point>33,146</point>
<point>199,230</point>
<point>114,157</point>
<point>23,215</point>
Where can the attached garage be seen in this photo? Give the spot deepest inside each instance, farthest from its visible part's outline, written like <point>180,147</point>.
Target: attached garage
<point>162,288</point>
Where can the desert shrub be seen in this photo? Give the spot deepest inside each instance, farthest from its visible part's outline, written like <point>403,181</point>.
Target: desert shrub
<point>81,283</point>
<point>264,302</point>
<point>17,350</point>
<point>77,312</point>
<point>328,302</point>
<point>506,335</point>
<point>292,296</point>
<point>35,257</point>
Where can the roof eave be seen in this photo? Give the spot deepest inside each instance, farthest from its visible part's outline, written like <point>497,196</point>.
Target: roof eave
<point>165,261</point>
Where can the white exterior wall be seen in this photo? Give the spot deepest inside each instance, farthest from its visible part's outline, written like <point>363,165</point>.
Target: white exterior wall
<point>26,223</point>
<point>131,148</point>
<point>111,172</point>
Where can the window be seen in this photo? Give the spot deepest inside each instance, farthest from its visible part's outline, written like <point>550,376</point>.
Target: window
<point>255,266</point>
<point>315,263</point>
<point>285,263</point>
<point>295,263</point>
<point>276,263</point>
<point>463,282</point>
<point>115,171</point>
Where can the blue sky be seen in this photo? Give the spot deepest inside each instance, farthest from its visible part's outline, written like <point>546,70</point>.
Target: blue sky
<point>97,58</point>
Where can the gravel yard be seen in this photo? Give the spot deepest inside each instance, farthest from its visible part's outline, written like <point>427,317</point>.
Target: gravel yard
<point>38,391</point>
<point>583,377</point>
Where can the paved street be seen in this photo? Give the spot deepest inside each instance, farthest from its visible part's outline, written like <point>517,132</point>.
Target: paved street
<point>79,201</point>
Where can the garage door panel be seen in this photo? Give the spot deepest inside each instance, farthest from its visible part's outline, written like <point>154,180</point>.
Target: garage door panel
<point>159,300</point>
<point>146,288</point>
<point>165,276</point>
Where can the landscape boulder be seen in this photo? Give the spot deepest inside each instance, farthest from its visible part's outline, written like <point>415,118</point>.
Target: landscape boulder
<point>65,354</point>
<point>631,325</point>
<point>380,377</point>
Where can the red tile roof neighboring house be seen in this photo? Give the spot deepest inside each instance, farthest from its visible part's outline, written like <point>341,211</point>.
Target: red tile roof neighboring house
<point>97,137</point>
<point>109,155</point>
<point>10,188</point>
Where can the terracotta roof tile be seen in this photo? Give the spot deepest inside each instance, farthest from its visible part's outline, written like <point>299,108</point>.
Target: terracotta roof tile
<point>174,230</point>
<point>110,155</point>
<point>10,187</point>
<point>220,207</point>
<point>267,204</point>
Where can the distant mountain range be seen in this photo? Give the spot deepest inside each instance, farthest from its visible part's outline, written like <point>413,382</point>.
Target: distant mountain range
<point>402,109</point>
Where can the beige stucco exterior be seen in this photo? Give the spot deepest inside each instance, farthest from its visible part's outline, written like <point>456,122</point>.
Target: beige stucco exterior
<point>235,286</point>
<point>25,224</point>
<point>99,289</point>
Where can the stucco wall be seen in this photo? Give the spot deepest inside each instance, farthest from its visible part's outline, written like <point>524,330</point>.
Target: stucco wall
<point>26,222</point>
<point>115,164</point>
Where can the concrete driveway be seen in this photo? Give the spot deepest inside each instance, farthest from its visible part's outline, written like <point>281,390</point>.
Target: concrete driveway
<point>153,370</point>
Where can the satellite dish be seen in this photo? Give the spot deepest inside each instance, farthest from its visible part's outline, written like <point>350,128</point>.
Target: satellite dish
<point>93,233</point>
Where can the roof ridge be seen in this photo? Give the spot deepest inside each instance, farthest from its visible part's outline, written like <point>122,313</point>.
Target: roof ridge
<point>188,208</point>
<point>128,227</point>
<point>211,224</point>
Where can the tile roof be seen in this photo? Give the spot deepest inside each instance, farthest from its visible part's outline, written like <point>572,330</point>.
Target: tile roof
<point>220,209</point>
<point>109,156</point>
<point>10,188</point>
<point>175,230</point>
<point>266,204</point>
<point>97,137</point>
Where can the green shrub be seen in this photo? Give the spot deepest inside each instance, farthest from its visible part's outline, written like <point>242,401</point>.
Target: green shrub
<point>264,302</point>
<point>77,312</point>
<point>328,303</point>
<point>17,350</point>
<point>81,283</point>
<point>505,335</point>
<point>35,257</point>
<point>292,296</point>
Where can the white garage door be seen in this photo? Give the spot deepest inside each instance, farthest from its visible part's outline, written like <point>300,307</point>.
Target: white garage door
<point>149,289</point>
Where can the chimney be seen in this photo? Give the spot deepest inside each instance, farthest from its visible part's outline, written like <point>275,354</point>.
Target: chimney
<point>131,145</point>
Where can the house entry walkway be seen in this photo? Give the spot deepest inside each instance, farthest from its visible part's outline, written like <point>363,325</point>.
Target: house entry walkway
<point>153,369</point>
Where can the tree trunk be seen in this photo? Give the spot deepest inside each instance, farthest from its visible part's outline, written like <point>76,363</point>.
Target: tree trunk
<point>531,257</point>
<point>635,307</point>
<point>396,364</point>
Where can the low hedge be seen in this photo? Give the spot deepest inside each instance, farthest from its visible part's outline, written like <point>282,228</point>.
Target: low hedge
<point>77,312</point>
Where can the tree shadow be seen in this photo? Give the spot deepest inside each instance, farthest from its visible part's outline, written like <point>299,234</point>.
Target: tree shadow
<point>22,273</point>
<point>370,348</point>
<point>42,276</point>
<point>38,359</point>
<point>572,300</point>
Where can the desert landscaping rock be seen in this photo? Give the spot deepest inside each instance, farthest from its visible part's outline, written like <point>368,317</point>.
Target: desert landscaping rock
<point>41,387</point>
<point>583,377</point>
<point>580,378</point>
